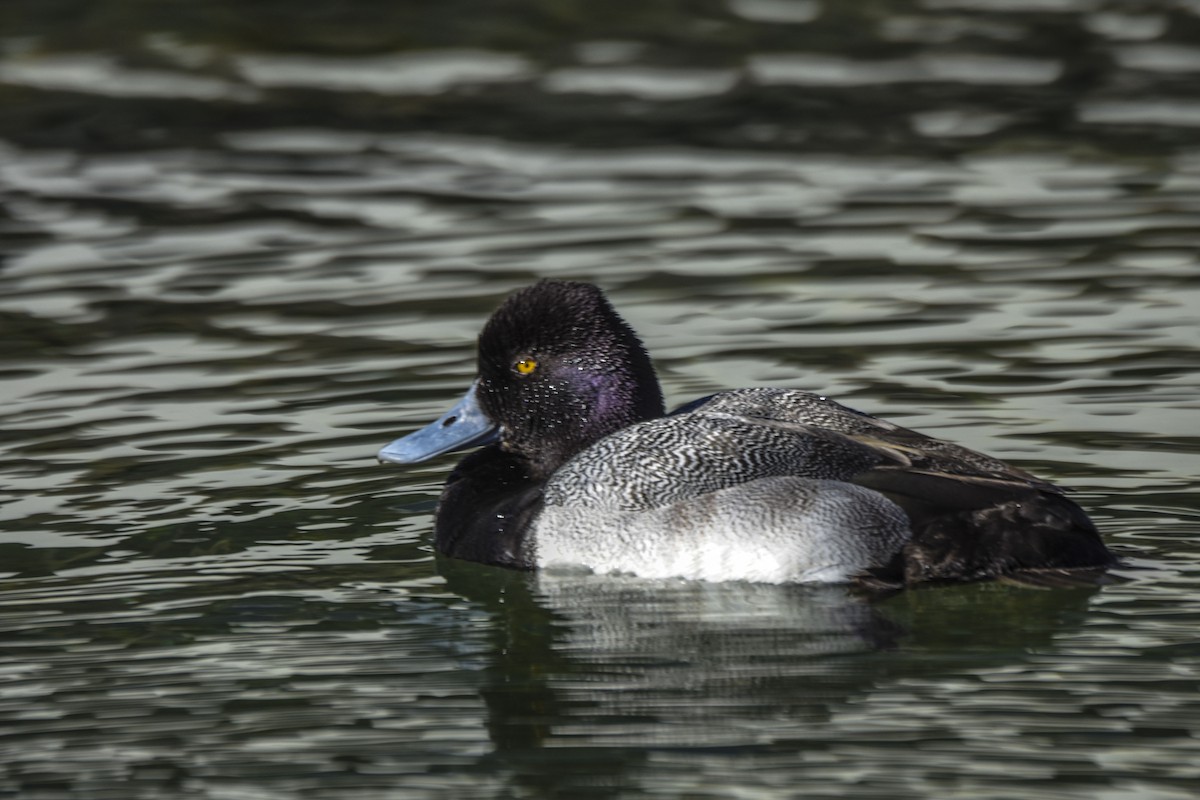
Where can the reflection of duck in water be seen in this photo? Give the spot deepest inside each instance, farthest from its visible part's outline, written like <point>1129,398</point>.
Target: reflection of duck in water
<point>610,664</point>
<point>620,660</point>
<point>582,468</point>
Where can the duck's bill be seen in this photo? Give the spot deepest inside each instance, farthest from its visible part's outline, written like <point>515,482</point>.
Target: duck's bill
<point>461,427</point>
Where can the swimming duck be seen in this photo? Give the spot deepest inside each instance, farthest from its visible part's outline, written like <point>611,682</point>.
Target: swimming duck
<point>580,466</point>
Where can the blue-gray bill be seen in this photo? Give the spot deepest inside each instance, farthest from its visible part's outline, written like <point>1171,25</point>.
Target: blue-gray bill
<point>463,426</point>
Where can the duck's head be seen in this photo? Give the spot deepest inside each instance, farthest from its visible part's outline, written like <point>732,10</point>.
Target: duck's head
<point>558,370</point>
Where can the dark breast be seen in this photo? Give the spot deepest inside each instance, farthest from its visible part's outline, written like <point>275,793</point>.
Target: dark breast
<point>486,509</point>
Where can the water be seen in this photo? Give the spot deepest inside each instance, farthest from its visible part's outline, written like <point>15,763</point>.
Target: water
<point>246,246</point>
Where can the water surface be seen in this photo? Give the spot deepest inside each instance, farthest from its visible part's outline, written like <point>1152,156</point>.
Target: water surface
<point>245,247</point>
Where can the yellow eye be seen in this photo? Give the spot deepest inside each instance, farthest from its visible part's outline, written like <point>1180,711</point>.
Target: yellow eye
<point>525,366</point>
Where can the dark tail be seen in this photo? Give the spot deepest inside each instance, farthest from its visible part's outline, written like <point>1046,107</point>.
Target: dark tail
<point>1038,530</point>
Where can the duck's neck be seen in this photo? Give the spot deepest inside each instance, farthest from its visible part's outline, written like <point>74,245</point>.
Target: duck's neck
<point>619,400</point>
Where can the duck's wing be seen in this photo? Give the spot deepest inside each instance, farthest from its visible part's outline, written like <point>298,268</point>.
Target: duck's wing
<point>911,467</point>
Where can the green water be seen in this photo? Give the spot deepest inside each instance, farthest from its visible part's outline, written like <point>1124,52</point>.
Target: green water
<point>246,244</point>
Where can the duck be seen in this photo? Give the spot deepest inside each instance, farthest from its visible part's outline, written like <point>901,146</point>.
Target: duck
<point>576,464</point>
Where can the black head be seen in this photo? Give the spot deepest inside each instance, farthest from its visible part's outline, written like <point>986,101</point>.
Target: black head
<point>559,370</point>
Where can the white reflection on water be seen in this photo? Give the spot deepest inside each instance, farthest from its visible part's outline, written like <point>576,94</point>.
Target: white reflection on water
<point>788,12</point>
<point>805,69</point>
<point>429,72</point>
<point>643,82</point>
<point>1173,111</point>
<point>1160,57</point>
<point>101,74</point>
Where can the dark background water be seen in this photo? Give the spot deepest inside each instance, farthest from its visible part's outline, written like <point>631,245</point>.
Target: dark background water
<point>247,243</point>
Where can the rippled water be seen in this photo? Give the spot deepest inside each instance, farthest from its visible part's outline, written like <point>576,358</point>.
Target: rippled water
<point>244,247</point>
